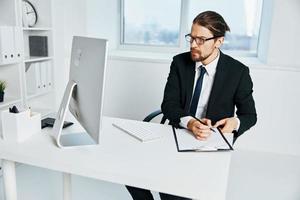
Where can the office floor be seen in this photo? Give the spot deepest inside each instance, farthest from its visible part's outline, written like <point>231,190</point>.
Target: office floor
<point>40,184</point>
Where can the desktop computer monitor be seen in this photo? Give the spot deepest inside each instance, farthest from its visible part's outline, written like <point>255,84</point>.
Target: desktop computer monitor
<point>84,93</point>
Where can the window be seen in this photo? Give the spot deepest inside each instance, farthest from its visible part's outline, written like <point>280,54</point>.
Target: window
<point>145,23</point>
<point>154,22</point>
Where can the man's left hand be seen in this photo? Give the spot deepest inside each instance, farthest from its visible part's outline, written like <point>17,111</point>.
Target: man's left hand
<point>227,124</point>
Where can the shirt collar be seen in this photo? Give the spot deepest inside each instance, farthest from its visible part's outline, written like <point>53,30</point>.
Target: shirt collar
<point>211,67</point>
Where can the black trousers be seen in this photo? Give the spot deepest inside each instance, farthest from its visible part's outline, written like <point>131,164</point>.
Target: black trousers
<point>142,194</point>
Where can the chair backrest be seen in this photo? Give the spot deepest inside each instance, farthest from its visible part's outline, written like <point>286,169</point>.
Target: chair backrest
<point>154,114</point>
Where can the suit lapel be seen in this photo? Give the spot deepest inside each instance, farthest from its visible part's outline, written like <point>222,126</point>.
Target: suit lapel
<point>217,85</point>
<point>190,70</point>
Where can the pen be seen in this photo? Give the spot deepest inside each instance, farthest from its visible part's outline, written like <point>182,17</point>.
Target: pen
<point>204,124</point>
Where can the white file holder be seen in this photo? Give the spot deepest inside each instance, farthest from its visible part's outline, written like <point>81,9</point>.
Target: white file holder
<point>11,40</point>
<point>17,127</point>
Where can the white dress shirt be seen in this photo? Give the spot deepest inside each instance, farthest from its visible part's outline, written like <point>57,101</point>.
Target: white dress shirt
<point>207,84</point>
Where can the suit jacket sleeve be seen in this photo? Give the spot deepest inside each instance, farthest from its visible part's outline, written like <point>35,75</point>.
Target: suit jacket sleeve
<point>171,105</point>
<point>245,103</point>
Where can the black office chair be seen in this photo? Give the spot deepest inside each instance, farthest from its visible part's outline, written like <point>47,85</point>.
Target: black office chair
<point>154,114</point>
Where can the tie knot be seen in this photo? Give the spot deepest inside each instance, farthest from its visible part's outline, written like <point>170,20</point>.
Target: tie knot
<point>202,70</point>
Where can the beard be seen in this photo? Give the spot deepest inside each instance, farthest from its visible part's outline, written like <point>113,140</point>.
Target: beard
<point>197,56</point>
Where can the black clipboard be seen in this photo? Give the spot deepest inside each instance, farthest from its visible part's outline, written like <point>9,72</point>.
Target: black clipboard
<point>200,150</point>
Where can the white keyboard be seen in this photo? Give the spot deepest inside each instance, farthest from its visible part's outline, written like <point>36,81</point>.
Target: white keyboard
<point>137,130</point>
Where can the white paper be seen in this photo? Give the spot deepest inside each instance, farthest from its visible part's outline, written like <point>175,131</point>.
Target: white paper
<point>186,140</point>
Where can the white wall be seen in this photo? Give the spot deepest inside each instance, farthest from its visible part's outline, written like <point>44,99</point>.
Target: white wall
<point>285,31</point>
<point>134,88</point>
<point>276,97</point>
<point>102,20</point>
<point>69,19</point>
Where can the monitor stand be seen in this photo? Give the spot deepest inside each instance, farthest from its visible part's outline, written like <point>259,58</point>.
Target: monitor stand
<point>73,139</point>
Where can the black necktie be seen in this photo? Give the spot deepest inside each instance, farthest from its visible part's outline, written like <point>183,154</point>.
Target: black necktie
<point>197,92</point>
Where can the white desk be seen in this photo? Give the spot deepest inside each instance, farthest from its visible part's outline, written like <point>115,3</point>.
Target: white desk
<point>263,176</point>
<point>154,165</point>
<point>122,159</point>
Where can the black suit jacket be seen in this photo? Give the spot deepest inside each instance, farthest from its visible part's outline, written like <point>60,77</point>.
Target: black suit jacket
<point>232,88</point>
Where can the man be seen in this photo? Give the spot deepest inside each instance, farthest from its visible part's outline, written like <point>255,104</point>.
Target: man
<point>206,84</point>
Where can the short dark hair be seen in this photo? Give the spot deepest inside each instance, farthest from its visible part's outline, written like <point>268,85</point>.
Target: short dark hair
<point>213,21</point>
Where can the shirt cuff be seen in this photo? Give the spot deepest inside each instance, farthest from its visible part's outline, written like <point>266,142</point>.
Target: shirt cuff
<point>184,121</point>
<point>238,125</point>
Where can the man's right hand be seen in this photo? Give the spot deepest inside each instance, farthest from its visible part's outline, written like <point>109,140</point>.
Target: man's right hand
<point>200,131</point>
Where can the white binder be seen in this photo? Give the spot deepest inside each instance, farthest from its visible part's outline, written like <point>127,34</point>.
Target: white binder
<point>49,75</point>
<point>11,50</point>
<point>6,44</point>
<point>43,72</point>
<point>33,79</point>
<point>38,78</point>
<point>18,41</point>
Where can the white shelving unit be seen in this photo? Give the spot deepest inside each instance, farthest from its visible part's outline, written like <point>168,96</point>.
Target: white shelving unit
<point>20,82</point>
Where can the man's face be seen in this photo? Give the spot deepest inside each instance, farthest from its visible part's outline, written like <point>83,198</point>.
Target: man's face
<point>203,51</point>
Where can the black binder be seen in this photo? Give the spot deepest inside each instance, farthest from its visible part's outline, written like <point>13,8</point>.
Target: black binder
<point>230,148</point>
<point>38,46</point>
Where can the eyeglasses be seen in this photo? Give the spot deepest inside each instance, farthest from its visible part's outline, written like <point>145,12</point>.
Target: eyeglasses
<point>199,40</point>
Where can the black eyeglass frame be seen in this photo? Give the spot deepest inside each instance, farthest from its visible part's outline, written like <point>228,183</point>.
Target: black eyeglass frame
<point>191,39</point>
